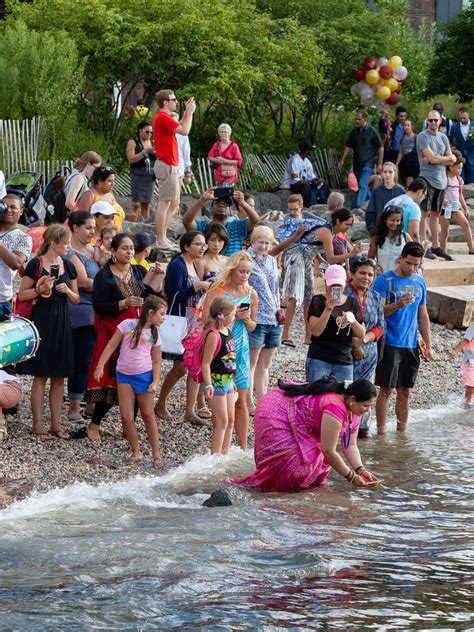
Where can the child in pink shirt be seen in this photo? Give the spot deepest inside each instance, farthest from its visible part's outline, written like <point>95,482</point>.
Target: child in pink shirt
<point>138,373</point>
<point>466,344</point>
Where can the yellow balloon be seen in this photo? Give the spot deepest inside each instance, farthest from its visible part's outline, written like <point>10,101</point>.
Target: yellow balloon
<point>372,77</point>
<point>395,61</point>
<point>383,93</point>
<point>391,84</point>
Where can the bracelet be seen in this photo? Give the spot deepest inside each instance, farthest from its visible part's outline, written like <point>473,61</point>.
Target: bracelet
<point>207,386</point>
<point>350,475</point>
<point>359,469</point>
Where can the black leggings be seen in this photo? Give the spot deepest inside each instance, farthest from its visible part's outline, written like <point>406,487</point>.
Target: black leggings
<point>101,410</point>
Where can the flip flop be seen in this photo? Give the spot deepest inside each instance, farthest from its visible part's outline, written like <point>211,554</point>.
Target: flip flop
<point>163,417</point>
<point>204,413</point>
<point>60,434</point>
<point>195,421</point>
<point>288,343</point>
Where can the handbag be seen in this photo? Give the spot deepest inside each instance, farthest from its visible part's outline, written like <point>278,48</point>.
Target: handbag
<point>24,308</point>
<point>154,280</point>
<point>172,332</point>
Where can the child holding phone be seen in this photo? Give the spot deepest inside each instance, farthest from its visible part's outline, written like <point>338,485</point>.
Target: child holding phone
<point>138,373</point>
<point>218,371</point>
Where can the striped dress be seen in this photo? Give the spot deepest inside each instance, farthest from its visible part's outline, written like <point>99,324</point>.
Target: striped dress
<point>242,347</point>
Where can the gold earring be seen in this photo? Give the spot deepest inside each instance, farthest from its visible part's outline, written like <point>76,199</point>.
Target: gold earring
<point>114,259</point>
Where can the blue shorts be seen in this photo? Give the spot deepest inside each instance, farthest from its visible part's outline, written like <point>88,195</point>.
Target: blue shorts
<point>265,336</point>
<point>139,382</point>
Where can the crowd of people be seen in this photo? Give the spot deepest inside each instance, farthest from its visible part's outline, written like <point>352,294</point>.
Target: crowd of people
<point>224,305</point>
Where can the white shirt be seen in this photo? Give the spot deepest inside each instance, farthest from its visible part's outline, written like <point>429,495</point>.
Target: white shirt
<point>464,127</point>
<point>16,241</point>
<point>184,152</point>
<point>303,168</point>
<point>3,188</point>
<point>6,377</point>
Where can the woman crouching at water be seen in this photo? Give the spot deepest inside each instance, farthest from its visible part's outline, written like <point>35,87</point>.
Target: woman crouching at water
<point>297,428</point>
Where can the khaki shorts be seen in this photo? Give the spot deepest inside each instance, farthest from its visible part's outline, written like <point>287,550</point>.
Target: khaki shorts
<point>168,180</point>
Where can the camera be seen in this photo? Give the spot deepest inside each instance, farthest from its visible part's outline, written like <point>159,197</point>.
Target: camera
<point>222,193</point>
<point>3,207</point>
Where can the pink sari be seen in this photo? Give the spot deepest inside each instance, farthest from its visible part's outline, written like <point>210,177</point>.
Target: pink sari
<point>287,448</point>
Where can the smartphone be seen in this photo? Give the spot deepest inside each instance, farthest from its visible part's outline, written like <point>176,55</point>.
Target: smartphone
<point>410,290</point>
<point>244,306</point>
<point>54,271</point>
<point>336,293</point>
<point>223,192</point>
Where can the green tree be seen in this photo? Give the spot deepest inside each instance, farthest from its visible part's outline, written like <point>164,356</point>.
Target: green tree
<point>451,71</point>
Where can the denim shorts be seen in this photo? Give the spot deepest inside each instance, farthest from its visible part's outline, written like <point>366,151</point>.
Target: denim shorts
<point>316,369</point>
<point>139,382</point>
<point>265,336</point>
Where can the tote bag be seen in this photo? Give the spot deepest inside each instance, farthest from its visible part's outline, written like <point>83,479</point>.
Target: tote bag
<point>172,332</point>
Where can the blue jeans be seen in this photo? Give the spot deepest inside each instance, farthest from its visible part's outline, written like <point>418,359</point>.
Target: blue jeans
<point>363,177</point>
<point>316,369</point>
<point>83,340</point>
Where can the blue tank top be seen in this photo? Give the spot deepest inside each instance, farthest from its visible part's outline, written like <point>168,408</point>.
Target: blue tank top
<point>83,314</point>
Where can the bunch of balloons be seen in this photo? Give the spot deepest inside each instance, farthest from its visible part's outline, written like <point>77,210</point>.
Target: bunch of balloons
<point>379,80</point>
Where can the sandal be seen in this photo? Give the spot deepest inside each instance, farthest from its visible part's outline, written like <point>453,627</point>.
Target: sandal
<point>288,343</point>
<point>204,413</point>
<point>3,432</point>
<point>60,434</point>
<point>195,421</point>
<point>163,416</point>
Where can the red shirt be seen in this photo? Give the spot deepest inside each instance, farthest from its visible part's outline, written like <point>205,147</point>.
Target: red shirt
<point>164,138</point>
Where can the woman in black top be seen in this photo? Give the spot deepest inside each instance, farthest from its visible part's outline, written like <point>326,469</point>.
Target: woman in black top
<point>141,156</point>
<point>333,319</point>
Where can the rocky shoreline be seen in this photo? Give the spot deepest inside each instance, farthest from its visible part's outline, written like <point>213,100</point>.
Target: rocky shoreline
<point>46,465</point>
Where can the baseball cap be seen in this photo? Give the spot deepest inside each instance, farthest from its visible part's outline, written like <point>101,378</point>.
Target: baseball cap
<point>335,275</point>
<point>305,146</point>
<point>103,208</point>
<point>142,241</point>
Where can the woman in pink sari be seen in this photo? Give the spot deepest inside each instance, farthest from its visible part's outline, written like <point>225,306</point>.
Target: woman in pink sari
<point>297,429</point>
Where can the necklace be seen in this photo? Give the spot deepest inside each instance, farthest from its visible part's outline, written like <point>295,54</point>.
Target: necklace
<point>123,276</point>
<point>347,439</point>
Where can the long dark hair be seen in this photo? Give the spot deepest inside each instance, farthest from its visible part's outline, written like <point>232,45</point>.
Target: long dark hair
<point>151,303</point>
<point>79,218</point>
<point>362,390</point>
<point>381,231</point>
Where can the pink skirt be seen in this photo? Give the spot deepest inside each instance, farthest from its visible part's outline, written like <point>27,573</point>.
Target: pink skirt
<point>467,370</point>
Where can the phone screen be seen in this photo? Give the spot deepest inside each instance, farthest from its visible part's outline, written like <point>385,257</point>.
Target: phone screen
<point>244,305</point>
<point>336,293</point>
<point>54,273</point>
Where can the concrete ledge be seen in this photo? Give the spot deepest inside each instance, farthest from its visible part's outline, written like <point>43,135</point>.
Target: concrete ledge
<point>459,272</point>
<point>452,304</point>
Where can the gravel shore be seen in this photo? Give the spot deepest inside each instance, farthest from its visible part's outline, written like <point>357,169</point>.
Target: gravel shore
<point>58,463</point>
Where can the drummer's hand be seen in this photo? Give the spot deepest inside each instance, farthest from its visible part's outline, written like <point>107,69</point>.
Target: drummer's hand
<point>63,288</point>
<point>359,481</point>
<point>98,373</point>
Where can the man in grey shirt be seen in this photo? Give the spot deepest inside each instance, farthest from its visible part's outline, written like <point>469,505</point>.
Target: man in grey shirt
<point>434,155</point>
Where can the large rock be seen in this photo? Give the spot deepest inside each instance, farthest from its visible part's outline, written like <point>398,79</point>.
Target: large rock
<point>468,191</point>
<point>13,489</point>
<point>359,231</point>
<point>219,498</point>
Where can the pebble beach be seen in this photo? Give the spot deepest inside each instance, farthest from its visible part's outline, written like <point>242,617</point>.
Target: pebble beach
<point>44,465</point>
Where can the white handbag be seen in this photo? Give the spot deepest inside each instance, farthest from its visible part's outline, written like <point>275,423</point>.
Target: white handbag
<point>172,332</point>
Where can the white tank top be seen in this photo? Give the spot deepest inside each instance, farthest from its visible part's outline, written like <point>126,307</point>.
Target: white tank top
<point>388,254</point>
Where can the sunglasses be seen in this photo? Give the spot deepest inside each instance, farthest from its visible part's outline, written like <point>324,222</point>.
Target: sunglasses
<point>433,120</point>
<point>148,132</point>
<point>363,260</point>
<point>104,170</point>
<point>172,99</point>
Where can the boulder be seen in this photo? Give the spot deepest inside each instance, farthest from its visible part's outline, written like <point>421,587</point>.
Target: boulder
<point>359,231</point>
<point>468,191</point>
<point>219,498</point>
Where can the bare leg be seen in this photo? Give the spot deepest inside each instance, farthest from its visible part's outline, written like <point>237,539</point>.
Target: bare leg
<point>254,355</point>
<point>230,403</point>
<point>145,209</point>
<point>160,222</point>
<point>126,398</point>
<point>381,409</point>
<point>37,402</point>
<point>401,408</point>
<point>132,217</point>
<point>242,418</point>
<point>191,395</point>
<point>56,396</point>
<point>434,227</point>
<point>469,394</point>
<point>461,220</point>
<point>444,225</point>
<point>290,314</point>
<point>172,209</point>
<point>424,217</point>
<point>145,402</point>
<point>262,372</point>
<point>218,406</point>
<point>176,372</point>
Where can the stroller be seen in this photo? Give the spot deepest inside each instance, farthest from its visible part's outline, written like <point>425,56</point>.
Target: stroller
<point>27,184</point>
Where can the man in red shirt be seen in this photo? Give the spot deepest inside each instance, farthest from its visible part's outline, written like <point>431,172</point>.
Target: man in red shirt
<point>165,128</point>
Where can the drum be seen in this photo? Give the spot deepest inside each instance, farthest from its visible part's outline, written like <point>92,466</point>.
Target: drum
<point>19,340</point>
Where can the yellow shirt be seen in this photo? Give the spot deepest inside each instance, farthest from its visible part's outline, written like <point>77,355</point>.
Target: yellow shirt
<point>118,219</point>
<point>144,263</point>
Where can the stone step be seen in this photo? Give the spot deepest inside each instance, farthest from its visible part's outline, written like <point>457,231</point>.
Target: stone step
<point>443,273</point>
<point>452,304</point>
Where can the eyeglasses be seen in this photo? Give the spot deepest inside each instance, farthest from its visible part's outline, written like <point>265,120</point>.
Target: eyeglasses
<point>199,245</point>
<point>433,120</point>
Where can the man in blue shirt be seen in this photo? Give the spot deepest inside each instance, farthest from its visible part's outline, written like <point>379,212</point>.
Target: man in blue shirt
<point>238,229</point>
<point>396,134</point>
<point>410,202</point>
<point>403,293</point>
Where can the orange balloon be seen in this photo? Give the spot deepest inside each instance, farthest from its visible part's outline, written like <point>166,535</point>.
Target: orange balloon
<point>391,84</point>
<point>383,93</point>
<point>372,77</point>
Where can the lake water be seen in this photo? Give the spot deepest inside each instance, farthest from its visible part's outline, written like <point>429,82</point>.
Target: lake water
<point>144,554</point>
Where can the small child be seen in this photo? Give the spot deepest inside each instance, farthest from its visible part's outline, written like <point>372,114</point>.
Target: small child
<point>335,201</point>
<point>102,252</point>
<point>143,243</point>
<point>466,344</point>
<point>138,373</point>
<point>218,372</point>
<point>454,206</point>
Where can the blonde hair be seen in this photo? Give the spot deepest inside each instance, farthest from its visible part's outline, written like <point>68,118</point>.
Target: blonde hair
<point>296,197</point>
<point>89,157</point>
<point>394,167</point>
<point>335,200</point>
<point>56,233</point>
<point>220,305</point>
<point>232,264</point>
<point>262,231</point>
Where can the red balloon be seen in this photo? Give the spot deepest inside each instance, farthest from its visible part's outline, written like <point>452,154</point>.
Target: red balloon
<point>358,74</point>
<point>398,90</point>
<point>370,62</point>
<point>393,99</point>
<point>386,71</point>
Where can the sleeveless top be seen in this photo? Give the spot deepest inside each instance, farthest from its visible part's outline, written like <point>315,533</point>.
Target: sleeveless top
<point>145,163</point>
<point>388,254</point>
<point>70,178</point>
<point>224,362</point>
<point>408,144</point>
<point>82,315</point>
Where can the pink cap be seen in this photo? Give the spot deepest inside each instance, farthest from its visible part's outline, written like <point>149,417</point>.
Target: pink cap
<point>335,275</point>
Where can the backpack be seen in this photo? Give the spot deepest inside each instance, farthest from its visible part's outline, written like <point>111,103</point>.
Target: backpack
<point>55,199</point>
<point>193,348</point>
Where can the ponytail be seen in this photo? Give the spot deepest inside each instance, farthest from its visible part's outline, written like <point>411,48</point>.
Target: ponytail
<point>361,390</point>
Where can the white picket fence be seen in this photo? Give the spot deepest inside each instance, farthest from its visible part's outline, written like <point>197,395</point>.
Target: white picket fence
<point>19,151</point>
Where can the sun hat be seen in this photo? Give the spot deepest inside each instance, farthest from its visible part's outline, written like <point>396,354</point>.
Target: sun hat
<point>335,275</point>
<point>103,208</point>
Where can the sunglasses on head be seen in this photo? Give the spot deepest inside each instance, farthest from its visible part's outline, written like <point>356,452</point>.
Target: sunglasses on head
<point>363,260</point>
